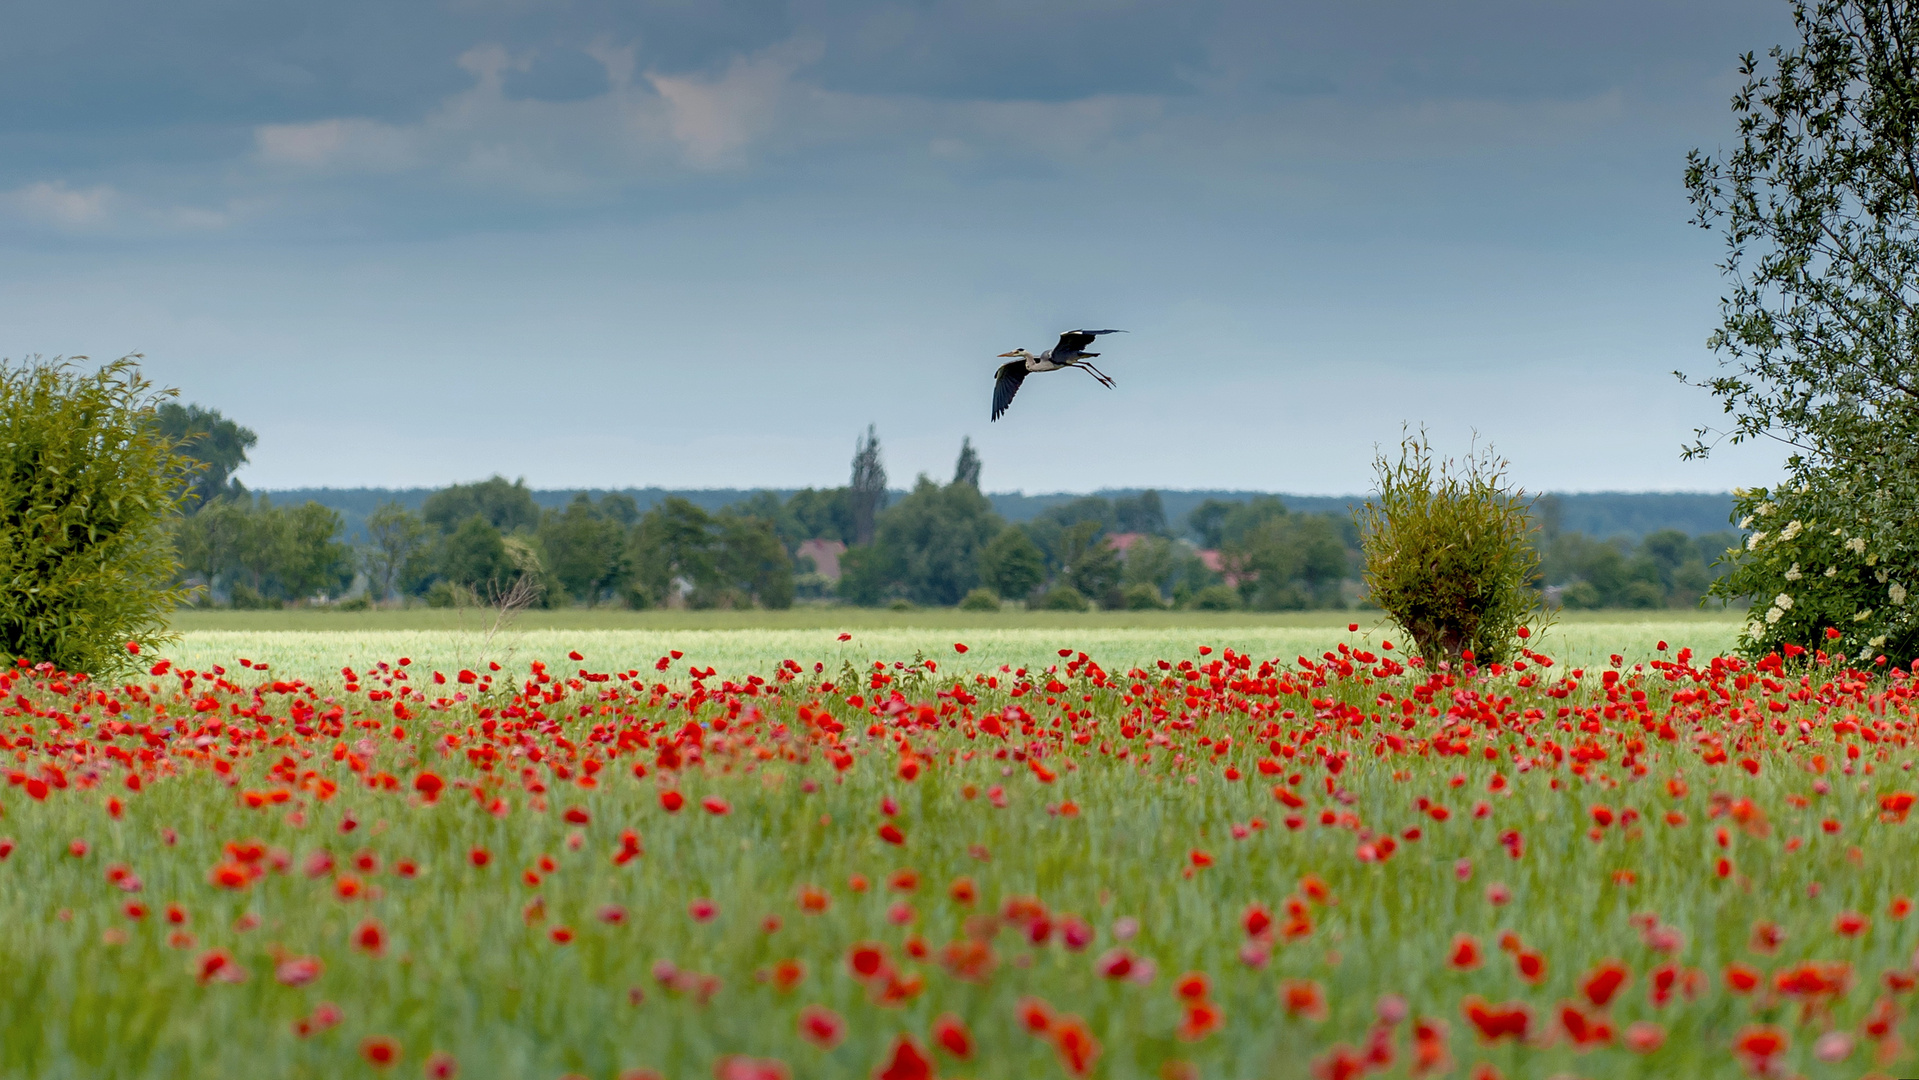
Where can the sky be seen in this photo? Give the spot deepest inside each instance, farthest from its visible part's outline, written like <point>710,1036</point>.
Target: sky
<point>705,243</point>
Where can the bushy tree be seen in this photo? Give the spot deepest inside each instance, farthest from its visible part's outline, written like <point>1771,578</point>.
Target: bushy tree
<point>1089,565</point>
<point>1012,565</point>
<point>219,446</point>
<point>261,555</point>
<point>506,507</point>
<point>1288,562</point>
<point>926,548</point>
<point>673,543</point>
<point>1142,513</point>
<point>585,547</point>
<point>87,485</point>
<point>1818,206</point>
<point>396,541</point>
<point>752,562</point>
<point>474,556</point>
<point>1448,552</point>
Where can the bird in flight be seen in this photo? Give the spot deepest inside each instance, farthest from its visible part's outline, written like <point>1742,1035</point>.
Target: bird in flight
<point>1069,353</point>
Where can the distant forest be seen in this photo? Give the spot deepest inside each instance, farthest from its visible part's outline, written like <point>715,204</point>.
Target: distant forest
<point>1604,515</point>
<point>938,544</point>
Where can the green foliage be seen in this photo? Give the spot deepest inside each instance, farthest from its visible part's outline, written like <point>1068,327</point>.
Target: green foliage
<point>866,492</point>
<point>87,484</point>
<point>1012,565</point>
<point>966,470</point>
<point>674,544</point>
<point>1142,513</point>
<point>1063,598</point>
<point>585,547</point>
<point>980,599</point>
<point>1288,562</point>
<point>1216,598</point>
<point>753,562</point>
<point>680,553</point>
<point>474,556</point>
<point>1140,596</point>
<point>219,445</point>
<point>506,507</point>
<point>1818,206</point>
<point>1448,555</point>
<point>1089,565</point>
<point>397,543</point>
<point>926,549</point>
<point>1821,558</point>
<point>1665,569</point>
<point>262,555</point>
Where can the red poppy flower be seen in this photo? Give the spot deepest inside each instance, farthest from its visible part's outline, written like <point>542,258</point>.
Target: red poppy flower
<point>951,1035</point>
<point>906,1062</point>
<point>1465,954</point>
<point>890,833</point>
<point>1758,1044</point>
<point>671,801</point>
<point>1644,1036</point>
<point>1741,979</point>
<point>1192,986</point>
<point>1603,982</point>
<point>1035,1015</point>
<point>1078,1050</point>
<point>1303,998</point>
<point>1512,1020</point>
<point>370,938</point>
<point>821,1026</point>
<point>1202,1019</point>
<point>380,1050</point>
<point>867,959</point>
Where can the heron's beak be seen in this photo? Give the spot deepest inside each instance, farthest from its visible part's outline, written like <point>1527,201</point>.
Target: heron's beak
<point>1013,353</point>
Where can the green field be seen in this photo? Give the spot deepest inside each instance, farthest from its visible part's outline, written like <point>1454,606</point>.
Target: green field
<point>314,645</point>
<point>1218,868</point>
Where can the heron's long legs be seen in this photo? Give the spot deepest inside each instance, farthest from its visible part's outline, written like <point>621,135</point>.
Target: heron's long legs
<point>1104,379</point>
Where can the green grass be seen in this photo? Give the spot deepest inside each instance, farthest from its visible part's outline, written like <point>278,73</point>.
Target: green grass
<point>316,644</point>
<point>469,965</point>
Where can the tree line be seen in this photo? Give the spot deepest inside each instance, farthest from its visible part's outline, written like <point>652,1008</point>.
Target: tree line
<point>939,545</point>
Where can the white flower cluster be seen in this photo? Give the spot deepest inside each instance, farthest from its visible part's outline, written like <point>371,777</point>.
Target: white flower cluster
<point>1857,544</point>
<point>1794,574</point>
<point>1898,592</point>
<point>1752,542</point>
<point>1791,530</point>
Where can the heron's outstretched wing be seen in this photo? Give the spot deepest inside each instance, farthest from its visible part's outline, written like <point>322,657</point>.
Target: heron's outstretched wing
<point>1073,341</point>
<point>1005,384</point>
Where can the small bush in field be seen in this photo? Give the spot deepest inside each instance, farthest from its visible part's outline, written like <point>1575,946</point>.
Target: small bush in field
<point>980,599</point>
<point>87,485</point>
<point>1063,598</point>
<point>1447,552</point>
<point>1216,598</point>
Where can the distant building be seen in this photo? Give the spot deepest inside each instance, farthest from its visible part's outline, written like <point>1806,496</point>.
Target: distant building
<point>1121,541</point>
<point>825,555</point>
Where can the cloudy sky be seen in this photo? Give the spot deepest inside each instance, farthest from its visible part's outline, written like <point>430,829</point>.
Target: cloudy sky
<point>705,242</point>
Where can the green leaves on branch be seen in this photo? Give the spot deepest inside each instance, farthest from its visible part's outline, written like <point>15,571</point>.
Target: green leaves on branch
<point>87,485</point>
<point>1818,207</point>
<point>1448,554</point>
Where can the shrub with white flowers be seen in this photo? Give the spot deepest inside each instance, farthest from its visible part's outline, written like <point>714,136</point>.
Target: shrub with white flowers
<point>1821,557</point>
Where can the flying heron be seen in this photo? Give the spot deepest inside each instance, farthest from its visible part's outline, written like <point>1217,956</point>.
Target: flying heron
<point>1067,354</point>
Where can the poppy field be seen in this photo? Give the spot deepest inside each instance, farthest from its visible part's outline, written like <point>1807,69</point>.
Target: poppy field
<point>1210,864</point>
